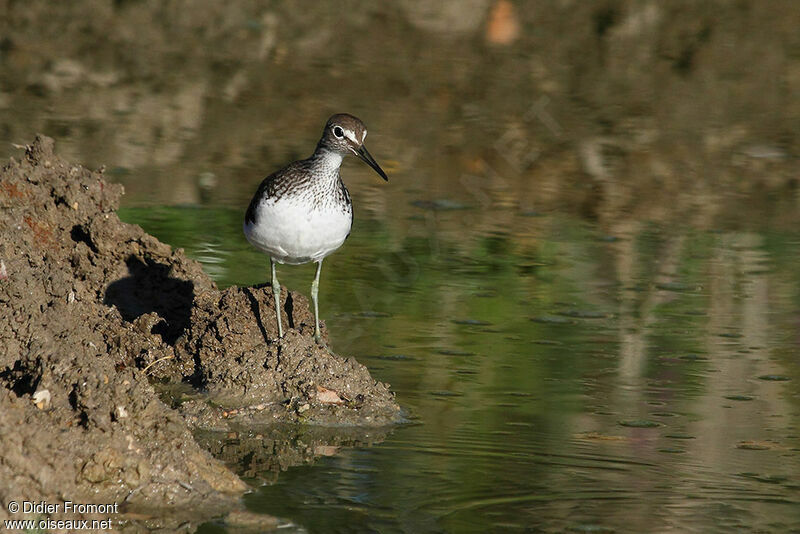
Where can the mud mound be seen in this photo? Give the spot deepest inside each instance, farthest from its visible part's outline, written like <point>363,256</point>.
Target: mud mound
<point>77,418</point>
<point>249,375</point>
<point>93,309</point>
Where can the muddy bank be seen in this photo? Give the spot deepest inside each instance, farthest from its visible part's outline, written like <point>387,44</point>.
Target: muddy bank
<point>95,311</point>
<point>229,351</point>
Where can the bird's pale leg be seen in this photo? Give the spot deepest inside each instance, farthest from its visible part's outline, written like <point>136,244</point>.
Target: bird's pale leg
<point>276,292</point>
<point>314,297</point>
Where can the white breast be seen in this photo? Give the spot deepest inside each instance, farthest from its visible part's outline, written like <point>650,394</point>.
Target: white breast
<point>292,231</point>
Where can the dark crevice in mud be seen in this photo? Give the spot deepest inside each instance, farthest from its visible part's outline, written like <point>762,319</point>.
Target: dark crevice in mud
<point>80,235</point>
<point>23,378</point>
<point>74,402</point>
<point>197,379</point>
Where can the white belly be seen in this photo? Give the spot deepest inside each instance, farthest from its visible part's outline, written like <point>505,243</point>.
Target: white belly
<point>290,233</point>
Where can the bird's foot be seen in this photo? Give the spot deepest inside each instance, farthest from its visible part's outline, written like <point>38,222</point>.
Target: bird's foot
<point>318,340</point>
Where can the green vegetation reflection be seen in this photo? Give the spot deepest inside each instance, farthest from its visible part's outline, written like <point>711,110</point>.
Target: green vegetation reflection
<point>567,356</point>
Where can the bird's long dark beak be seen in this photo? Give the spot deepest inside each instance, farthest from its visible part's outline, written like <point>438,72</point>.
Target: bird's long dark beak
<point>362,153</point>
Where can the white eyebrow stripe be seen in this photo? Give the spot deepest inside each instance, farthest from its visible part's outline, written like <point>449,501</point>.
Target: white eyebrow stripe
<point>350,135</point>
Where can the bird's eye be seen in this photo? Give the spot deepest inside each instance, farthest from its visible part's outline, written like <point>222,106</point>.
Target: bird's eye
<point>338,132</point>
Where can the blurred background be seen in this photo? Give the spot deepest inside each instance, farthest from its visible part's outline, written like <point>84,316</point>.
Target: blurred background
<point>581,280</point>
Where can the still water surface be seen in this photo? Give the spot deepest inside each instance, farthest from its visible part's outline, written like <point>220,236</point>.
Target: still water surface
<point>577,381</point>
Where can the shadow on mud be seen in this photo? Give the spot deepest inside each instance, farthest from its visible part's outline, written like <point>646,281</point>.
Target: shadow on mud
<point>151,288</point>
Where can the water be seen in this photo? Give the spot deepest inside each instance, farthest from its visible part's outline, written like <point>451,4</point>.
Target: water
<point>548,388</point>
<point>581,280</point>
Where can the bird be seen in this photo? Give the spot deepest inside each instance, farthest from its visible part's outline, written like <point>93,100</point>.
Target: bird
<point>303,212</point>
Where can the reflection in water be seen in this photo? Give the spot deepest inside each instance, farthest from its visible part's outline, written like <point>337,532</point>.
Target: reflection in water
<point>569,380</point>
<point>263,453</point>
<point>582,278</point>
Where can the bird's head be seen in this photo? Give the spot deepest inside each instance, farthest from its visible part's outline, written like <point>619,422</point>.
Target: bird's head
<point>345,134</point>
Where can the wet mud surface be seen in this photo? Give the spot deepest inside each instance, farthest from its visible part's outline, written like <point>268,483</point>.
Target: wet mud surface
<point>229,352</point>
<point>96,312</point>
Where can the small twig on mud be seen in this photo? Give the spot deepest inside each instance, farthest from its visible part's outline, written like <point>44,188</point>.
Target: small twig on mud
<point>155,362</point>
